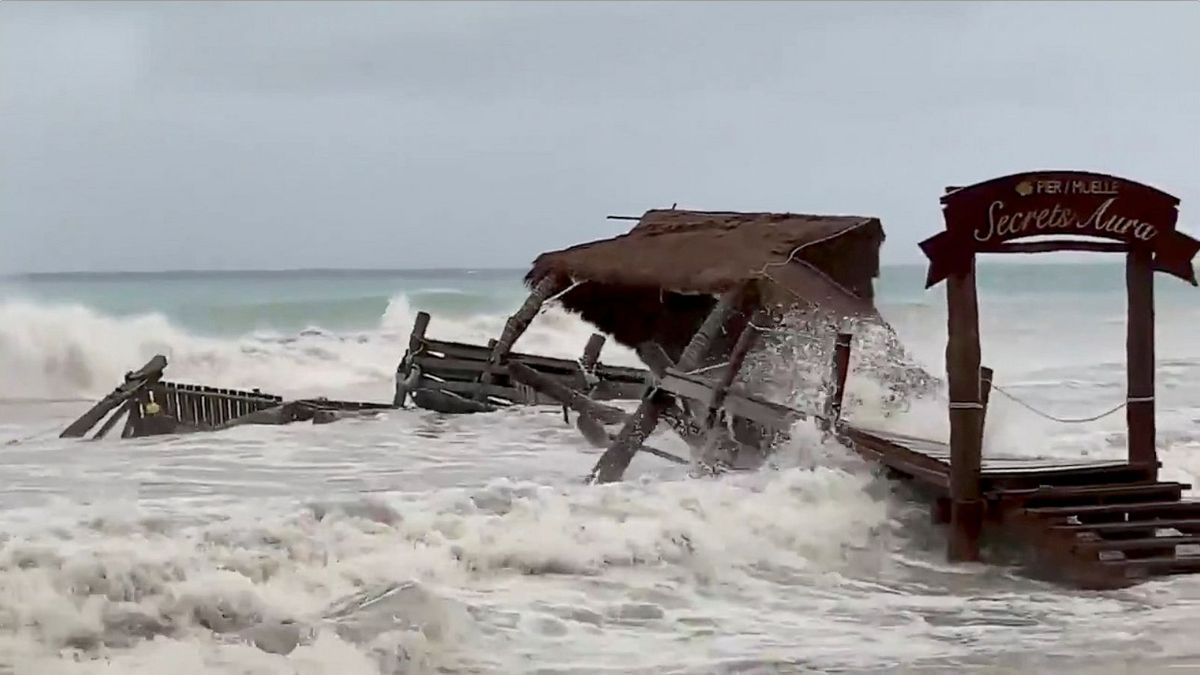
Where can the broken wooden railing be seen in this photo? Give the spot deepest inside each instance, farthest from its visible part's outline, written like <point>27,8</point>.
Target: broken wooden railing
<point>455,377</point>
<point>150,406</point>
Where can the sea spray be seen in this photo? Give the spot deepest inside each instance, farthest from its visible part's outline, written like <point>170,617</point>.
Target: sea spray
<point>61,351</point>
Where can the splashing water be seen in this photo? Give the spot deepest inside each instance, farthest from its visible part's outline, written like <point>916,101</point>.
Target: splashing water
<point>420,543</point>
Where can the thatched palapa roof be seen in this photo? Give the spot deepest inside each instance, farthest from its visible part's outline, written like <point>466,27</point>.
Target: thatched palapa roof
<point>658,281</point>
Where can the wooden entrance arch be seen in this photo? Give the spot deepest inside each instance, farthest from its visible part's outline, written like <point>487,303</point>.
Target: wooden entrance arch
<point>1065,211</point>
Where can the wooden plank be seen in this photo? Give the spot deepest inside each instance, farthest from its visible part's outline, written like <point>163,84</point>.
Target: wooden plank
<point>468,352</point>
<point>1126,526</point>
<point>900,458</point>
<point>1092,494</point>
<point>1142,509</point>
<point>1139,353</point>
<point>962,364</point>
<point>561,393</point>
<point>738,403</point>
<point>463,388</point>
<point>608,390</point>
<point>459,367</point>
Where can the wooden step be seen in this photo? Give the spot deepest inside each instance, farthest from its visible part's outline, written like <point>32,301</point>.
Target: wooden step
<point>1132,526</point>
<point>1144,567</point>
<point>1100,513</point>
<point>1144,543</point>
<point>1115,474</point>
<point>1095,494</point>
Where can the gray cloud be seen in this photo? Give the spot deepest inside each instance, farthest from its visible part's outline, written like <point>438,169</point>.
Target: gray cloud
<point>169,135</point>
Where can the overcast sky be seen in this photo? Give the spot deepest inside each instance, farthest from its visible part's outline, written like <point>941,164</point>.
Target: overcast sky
<point>197,135</point>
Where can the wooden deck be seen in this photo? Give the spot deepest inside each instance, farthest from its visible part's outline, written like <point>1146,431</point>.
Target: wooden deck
<point>1092,523</point>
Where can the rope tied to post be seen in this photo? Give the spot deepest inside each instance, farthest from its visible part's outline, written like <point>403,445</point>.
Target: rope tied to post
<point>1069,420</point>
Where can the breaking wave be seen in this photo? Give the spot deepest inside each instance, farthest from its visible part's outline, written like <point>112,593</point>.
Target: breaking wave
<point>71,350</point>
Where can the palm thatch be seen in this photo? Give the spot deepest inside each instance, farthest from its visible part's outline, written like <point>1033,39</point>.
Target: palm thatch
<point>658,281</point>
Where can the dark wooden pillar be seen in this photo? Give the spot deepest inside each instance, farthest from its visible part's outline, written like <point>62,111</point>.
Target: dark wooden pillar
<point>837,379</point>
<point>966,412</point>
<point>1139,354</point>
<point>612,464</point>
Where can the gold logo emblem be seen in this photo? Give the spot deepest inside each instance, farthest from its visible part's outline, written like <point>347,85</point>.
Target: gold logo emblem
<point>1024,188</point>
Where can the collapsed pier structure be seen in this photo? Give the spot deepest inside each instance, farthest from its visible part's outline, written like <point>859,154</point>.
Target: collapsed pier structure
<point>1092,523</point>
<point>695,293</point>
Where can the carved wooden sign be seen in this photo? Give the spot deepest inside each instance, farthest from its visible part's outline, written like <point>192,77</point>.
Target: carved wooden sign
<point>984,216</point>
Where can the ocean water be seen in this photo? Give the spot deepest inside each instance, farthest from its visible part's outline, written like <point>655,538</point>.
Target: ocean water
<point>420,543</point>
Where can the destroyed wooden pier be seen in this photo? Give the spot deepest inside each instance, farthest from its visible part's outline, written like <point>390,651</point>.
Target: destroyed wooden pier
<point>1091,523</point>
<point>695,292</point>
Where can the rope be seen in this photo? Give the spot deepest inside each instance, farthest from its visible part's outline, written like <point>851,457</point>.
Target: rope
<point>559,294</point>
<point>1069,420</point>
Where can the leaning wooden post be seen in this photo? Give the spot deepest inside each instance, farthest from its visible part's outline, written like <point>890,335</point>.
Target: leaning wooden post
<point>741,349</point>
<point>591,351</point>
<point>840,370</point>
<point>966,411</point>
<point>612,464</point>
<point>403,385</point>
<point>585,377</point>
<point>519,322</point>
<point>1139,354</point>
<point>985,396</point>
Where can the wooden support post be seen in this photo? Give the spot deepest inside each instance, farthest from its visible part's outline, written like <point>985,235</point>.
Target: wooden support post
<point>404,384</point>
<point>962,369</point>
<point>1139,354</point>
<point>985,396</point>
<point>520,320</point>
<point>737,356</point>
<point>591,351</point>
<point>616,459</point>
<point>838,373</point>
<point>585,378</point>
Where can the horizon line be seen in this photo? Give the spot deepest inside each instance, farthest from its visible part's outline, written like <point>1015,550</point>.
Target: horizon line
<point>281,271</point>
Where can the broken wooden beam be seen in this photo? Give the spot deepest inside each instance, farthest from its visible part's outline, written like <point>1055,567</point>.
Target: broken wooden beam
<point>116,417</point>
<point>612,464</point>
<point>737,356</point>
<point>520,320</point>
<point>560,392</point>
<point>134,381</point>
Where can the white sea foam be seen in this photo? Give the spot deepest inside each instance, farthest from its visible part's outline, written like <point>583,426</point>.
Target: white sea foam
<point>418,543</point>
